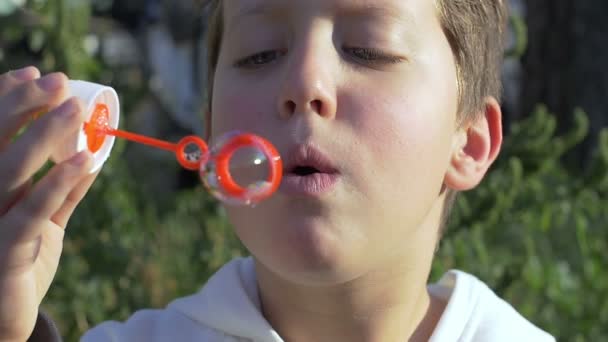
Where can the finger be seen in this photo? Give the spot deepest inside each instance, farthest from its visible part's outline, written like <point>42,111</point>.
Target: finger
<point>17,195</point>
<point>21,103</point>
<point>47,196</point>
<point>12,79</point>
<point>62,216</point>
<point>32,150</point>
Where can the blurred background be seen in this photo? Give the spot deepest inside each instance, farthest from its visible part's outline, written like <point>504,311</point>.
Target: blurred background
<point>147,232</point>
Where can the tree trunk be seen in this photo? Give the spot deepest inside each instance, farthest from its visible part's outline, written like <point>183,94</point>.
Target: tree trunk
<point>565,65</point>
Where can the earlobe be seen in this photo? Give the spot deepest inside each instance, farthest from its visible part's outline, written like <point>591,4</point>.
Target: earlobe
<point>476,147</point>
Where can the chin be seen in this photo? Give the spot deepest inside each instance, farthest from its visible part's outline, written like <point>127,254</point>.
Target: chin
<point>307,250</point>
<point>306,269</point>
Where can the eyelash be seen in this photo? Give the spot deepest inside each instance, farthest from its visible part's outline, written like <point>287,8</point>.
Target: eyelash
<point>373,56</point>
<point>364,55</point>
<point>252,61</point>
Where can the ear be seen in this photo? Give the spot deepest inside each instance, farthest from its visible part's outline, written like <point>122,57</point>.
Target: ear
<point>476,146</point>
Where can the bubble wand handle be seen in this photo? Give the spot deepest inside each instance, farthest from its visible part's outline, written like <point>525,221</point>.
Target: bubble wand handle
<point>142,139</point>
<point>193,154</point>
<point>97,129</point>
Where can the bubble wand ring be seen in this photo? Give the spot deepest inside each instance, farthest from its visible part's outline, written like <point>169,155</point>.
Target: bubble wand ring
<point>227,182</point>
<point>210,165</point>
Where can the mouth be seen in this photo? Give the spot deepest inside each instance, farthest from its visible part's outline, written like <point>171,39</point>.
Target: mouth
<point>304,171</point>
<point>309,172</point>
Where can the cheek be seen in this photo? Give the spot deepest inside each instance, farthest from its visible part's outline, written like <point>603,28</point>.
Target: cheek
<point>407,129</point>
<point>409,145</point>
<point>237,105</point>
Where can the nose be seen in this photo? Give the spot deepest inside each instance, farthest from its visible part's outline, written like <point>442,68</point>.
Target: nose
<point>309,84</point>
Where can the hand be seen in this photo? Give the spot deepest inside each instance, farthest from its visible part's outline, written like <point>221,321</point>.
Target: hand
<point>33,216</point>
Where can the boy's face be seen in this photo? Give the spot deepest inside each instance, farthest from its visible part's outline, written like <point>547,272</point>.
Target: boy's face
<point>369,83</point>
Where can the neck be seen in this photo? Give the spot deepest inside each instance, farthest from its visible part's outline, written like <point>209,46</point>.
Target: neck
<point>392,307</point>
<point>390,302</point>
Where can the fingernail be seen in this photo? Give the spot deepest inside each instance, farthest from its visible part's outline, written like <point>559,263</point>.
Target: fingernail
<point>80,158</point>
<point>24,74</point>
<point>51,82</point>
<point>68,108</point>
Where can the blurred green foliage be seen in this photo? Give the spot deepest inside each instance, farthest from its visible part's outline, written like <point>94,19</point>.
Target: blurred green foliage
<point>534,230</point>
<point>50,34</point>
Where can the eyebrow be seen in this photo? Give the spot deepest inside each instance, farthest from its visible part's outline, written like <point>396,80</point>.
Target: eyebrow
<point>378,11</point>
<point>257,9</point>
<point>357,10</point>
<point>252,10</point>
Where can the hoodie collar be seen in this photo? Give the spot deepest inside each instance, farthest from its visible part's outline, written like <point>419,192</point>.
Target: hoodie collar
<point>230,303</point>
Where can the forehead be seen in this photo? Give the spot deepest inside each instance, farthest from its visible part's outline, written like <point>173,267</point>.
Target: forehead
<point>410,11</point>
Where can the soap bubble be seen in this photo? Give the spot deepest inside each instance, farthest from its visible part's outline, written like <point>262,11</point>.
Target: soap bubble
<point>242,169</point>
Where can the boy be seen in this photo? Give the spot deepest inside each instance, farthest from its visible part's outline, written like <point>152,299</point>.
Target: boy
<point>382,111</point>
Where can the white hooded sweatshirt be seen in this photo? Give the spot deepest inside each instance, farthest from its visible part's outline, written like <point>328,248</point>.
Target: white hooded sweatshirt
<point>227,309</point>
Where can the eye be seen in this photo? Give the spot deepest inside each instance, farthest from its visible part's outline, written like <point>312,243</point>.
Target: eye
<point>259,59</point>
<point>372,56</point>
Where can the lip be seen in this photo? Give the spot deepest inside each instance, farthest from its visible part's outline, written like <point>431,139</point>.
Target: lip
<point>314,184</point>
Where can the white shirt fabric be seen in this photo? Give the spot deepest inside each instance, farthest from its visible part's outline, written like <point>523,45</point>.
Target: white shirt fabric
<point>227,309</point>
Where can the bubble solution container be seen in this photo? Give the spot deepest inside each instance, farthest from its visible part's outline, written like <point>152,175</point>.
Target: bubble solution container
<point>91,95</point>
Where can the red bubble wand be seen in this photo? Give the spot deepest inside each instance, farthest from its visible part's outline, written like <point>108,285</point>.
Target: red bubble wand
<point>192,153</point>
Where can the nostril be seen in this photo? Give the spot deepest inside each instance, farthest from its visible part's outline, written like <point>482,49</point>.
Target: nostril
<point>290,107</point>
<point>316,105</point>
